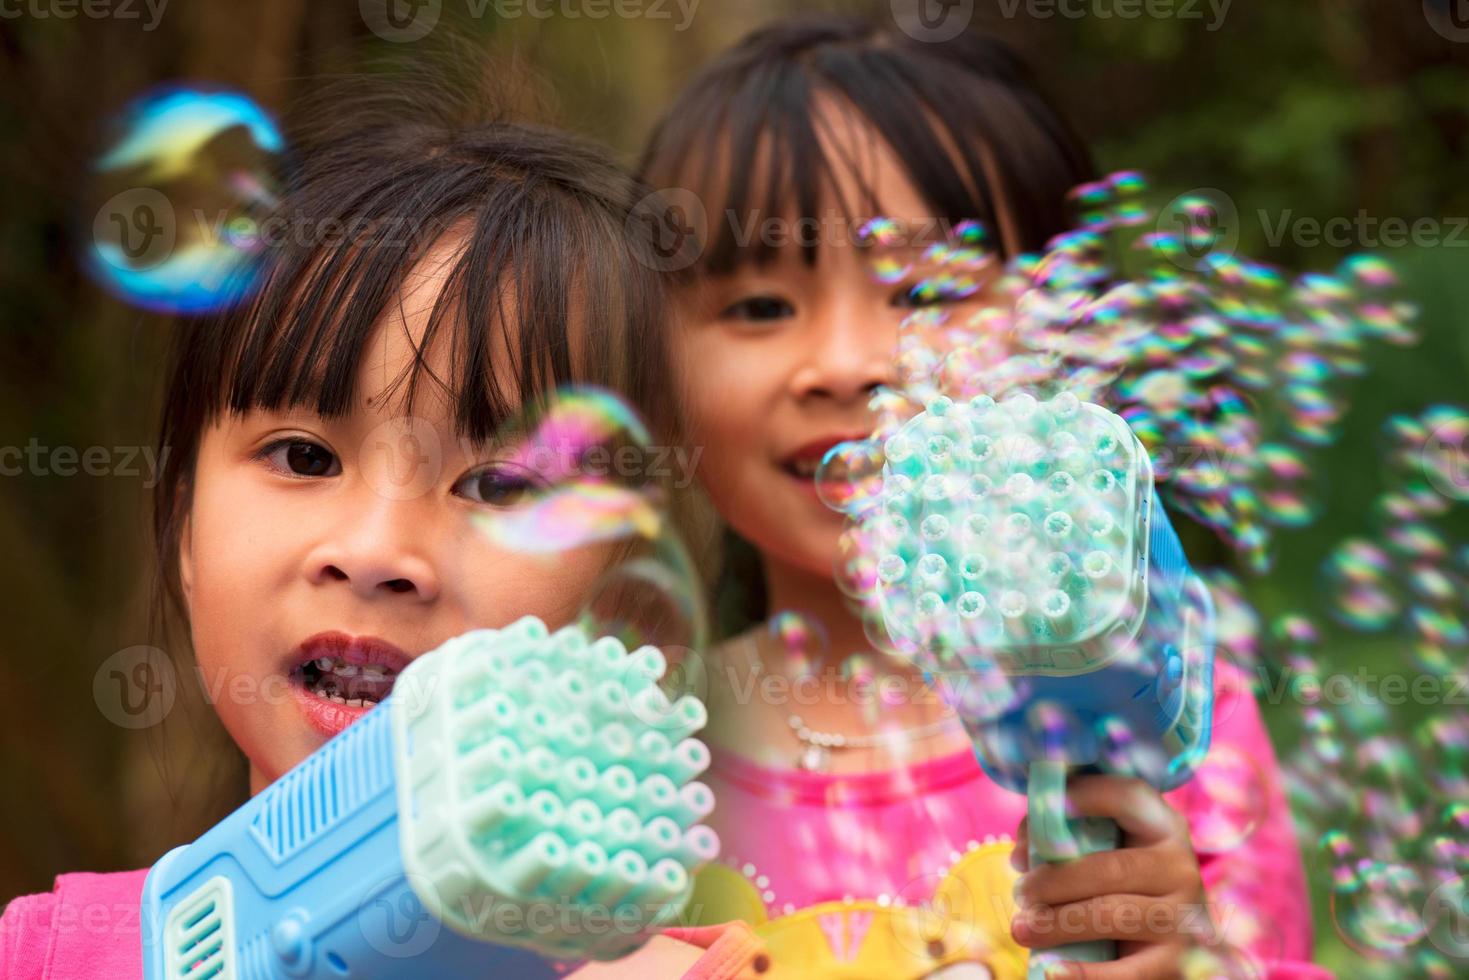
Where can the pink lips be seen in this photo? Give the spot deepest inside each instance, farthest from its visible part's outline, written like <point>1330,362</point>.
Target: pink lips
<point>327,716</point>
<point>817,448</point>
<point>352,649</point>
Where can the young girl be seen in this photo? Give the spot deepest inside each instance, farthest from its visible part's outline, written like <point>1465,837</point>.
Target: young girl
<point>332,441</point>
<point>839,816</point>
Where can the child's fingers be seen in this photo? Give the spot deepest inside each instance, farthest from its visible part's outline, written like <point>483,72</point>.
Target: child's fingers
<point>1140,810</point>
<point>1155,961</point>
<point>1132,918</point>
<point>1139,871</point>
<point>1020,856</point>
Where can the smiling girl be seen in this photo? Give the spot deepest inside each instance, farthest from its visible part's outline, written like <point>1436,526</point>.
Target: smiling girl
<point>840,813</point>
<point>333,441</point>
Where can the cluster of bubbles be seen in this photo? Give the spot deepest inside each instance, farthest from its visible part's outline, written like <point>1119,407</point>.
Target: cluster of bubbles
<point>1406,573</point>
<point>180,195</point>
<point>1384,788</point>
<point>1376,770</point>
<point>1229,373</point>
<point>1232,377</point>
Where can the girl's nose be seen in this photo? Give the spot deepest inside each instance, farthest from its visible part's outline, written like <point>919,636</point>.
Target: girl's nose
<point>850,353</point>
<point>377,552</point>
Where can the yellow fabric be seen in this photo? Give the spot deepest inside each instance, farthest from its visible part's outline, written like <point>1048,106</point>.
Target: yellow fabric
<point>966,921</point>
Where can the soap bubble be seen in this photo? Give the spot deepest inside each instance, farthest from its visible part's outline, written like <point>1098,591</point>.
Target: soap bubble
<point>1231,799</point>
<point>587,468</point>
<point>585,475</point>
<point>184,191</point>
<point>801,640</point>
<point>849,476</point>
<point>1384,914</point>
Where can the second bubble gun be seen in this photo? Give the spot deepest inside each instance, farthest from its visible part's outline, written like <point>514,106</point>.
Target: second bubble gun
<point>1027,563</point>
<point>522,801</point>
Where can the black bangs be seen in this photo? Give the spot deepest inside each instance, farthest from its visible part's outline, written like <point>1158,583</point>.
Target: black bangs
<point>963,117</point>
<point>527,266</point>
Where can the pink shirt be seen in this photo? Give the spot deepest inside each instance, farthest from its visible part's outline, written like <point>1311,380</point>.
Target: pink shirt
<point>801,838</point>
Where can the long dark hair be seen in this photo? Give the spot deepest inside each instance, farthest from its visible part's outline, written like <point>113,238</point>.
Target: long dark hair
<point>548,263</point>
<point>964,117</point>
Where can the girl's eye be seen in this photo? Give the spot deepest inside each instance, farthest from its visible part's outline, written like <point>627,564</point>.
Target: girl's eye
<point>498,486</point>
<point>921,295</point>
<point>300,457</point>
<point>758,308</point>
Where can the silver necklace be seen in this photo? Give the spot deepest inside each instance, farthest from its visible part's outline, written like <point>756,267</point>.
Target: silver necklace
<point>815,755</point>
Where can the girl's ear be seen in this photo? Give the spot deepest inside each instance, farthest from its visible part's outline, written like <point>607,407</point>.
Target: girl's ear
<point>186,563</point>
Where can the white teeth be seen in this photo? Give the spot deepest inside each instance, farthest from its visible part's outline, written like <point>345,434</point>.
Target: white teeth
<point>331,665</point>
<point>348,702</point>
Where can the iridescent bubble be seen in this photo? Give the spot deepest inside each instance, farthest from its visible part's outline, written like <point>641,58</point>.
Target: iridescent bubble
<point>581,463</point>
<point>1360,574</point>
<point>1385,913</point>
<point>856,564</point>
<point>183,193</point>
<point>1215,962</point>
<point>849,477</point>
<point>800,639</point>
<point>1445,453</point>
<point>1232,800</point>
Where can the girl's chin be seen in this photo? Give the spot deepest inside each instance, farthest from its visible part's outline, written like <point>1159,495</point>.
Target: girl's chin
<point>805,550</point>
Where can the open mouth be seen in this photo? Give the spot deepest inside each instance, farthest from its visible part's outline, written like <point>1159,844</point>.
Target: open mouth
<point>351,685</point>
<point>803,467</point>
<point>805,462</point>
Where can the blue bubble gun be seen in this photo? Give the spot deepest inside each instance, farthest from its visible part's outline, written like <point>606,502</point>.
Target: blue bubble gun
<point>522,801</point>
<point>1027,564</point>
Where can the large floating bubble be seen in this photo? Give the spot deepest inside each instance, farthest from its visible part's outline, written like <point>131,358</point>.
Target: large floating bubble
<point>181,198</point>
<point>584,473</point>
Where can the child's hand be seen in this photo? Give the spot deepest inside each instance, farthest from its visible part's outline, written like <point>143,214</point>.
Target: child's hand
<point>1147,895</point>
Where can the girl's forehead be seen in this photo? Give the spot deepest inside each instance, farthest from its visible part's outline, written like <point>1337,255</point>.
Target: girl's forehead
<point>855,175</point>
